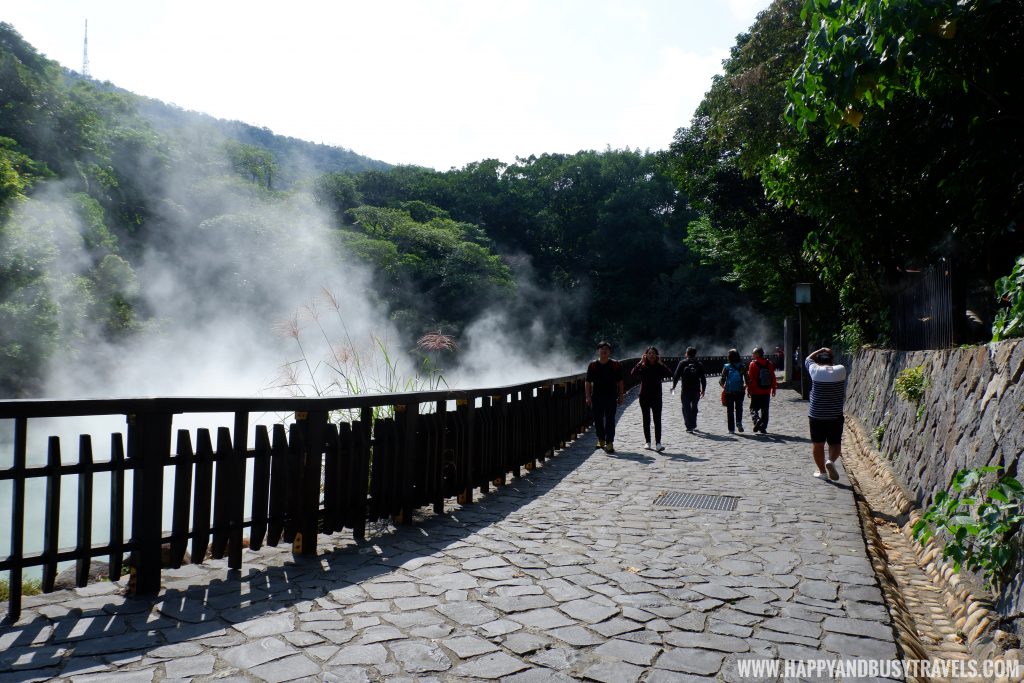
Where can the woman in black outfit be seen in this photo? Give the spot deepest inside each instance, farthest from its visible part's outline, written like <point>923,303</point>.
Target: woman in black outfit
<point>652,372</point>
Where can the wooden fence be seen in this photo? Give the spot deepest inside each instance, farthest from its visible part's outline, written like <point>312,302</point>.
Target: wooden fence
<point>315,474</point>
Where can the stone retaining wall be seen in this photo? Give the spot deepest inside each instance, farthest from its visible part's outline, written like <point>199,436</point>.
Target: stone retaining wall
<point>973,415</point>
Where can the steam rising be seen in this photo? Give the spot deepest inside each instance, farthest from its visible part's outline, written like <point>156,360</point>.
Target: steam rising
<point>231,299</point>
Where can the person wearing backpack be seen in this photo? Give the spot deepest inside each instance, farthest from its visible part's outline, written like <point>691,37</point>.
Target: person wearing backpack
<point>761,386</point>
<point>734,383</point>
<point>691,373</point>
<point>651,372</point>
<point>603,391</point>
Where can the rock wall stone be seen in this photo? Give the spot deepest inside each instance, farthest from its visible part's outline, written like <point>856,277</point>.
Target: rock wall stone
<point>972,415</point>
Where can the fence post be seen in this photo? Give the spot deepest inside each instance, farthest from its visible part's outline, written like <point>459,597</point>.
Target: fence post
<point>84,545</point>
<point>466,476</point>
<point>149,449</point>
<point>236,513</point>
<point>405,422</point>
<point>500,443</point>
<point>544,425</point>
<point>314,437</point>
<point>17,515</point>
<point>361,437</point>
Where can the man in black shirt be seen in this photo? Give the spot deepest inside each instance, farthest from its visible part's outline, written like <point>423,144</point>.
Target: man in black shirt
<point>604,390</point>
<point>691,372</point>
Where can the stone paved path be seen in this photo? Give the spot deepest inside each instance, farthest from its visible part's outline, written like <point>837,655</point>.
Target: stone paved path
<point>568,573</point>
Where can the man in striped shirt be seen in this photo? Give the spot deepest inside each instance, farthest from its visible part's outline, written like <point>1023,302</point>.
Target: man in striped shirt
<point>828,394</point>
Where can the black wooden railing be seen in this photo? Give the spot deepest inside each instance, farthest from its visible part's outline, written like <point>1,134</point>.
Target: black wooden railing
<point>314,475</point>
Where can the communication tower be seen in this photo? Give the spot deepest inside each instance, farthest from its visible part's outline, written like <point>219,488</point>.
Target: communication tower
<point>85,51</point>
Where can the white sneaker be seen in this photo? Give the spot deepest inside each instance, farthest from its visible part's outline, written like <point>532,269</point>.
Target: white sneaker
<point>647,445</point>
<point>659,447</point>
<point>833,473</point>
<point>819,475</point>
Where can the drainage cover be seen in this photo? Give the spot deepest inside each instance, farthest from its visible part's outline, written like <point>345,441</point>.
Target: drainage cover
<point>696,500</point>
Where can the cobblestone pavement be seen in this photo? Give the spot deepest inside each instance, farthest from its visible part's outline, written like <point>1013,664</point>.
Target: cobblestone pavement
<point>571,572</point>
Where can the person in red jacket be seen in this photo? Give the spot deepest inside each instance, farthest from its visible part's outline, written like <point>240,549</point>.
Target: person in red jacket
<point>761,386</point>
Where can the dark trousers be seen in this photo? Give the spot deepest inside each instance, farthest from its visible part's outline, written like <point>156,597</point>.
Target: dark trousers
<point>690,401</point>
<point>604,418</point>
<point>759,410</point>
<point>651,407</point>
<point>734,410</point>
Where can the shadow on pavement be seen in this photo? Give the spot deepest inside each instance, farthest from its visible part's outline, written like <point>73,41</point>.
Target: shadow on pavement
<point>641,458</point>
<point>700,434</point>
<point>195,606</point>
<point>684,457</point>
<point>777,438</point>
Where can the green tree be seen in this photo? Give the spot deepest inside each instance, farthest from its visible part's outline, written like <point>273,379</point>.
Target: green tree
<point>920,103</point>
<point>718,162</point>
<point>447,264</point>
<point>252,162</point>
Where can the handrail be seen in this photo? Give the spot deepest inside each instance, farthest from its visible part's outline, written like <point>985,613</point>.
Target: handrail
<point>43,407</point>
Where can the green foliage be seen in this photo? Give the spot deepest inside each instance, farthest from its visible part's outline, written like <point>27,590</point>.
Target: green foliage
<point>28,587</point>
<point>718,162</point>
<point>252,162</point>
<point>878,433</point>
<point>17,172</point>
<point>914,100</point>
<point>602,232</point>
<point>448,263</point>
<point>1009,320</point>
<point>852,336</point>
<point>911,383</point>
<point>866,54</point>
<point>337,192</point>
<point>57,277</point>
<point>980,530</point>
<point>933,168</point>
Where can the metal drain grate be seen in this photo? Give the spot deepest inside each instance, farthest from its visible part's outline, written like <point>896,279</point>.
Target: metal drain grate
<point>696,500</point>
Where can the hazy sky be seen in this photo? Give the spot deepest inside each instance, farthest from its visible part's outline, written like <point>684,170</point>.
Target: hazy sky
<point>437,83</point>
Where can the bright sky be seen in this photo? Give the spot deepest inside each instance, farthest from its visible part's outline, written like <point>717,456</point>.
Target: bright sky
<point>437,83</point>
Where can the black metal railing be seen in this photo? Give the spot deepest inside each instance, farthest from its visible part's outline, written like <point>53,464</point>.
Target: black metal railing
<point>922,309</point>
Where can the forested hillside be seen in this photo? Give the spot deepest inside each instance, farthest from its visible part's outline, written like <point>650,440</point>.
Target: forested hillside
<point>123,217</point>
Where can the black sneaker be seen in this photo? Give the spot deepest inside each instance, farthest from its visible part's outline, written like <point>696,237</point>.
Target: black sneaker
<point>739,428</point>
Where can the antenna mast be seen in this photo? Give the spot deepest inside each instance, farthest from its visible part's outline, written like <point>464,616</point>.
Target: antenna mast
<point>85,51</point>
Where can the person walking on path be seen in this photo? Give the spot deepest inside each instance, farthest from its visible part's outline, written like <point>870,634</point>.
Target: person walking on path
<point>761,386</point>
<point>651,372</point>
<point>604,390</point>
<point>825,415</point>
<point>734,383</point>
<point>691,372</point>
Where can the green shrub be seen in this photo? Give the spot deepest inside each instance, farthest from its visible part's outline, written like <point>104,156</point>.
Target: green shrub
<point>911,383</point>
<point>28,587</point>
<point>878,432</point>
<point>1009,322</point>
<point>980,531</point>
